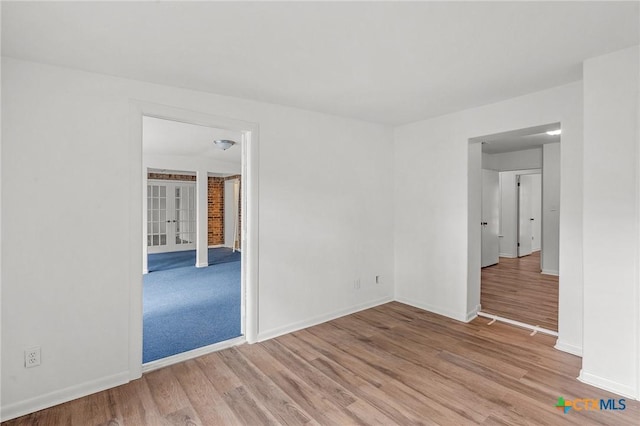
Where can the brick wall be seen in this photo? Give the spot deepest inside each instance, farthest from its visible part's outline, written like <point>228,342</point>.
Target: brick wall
<point>215,208</point>
<point>167,176</point>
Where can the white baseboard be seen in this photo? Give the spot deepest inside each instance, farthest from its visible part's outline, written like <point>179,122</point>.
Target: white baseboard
<point>608,385</point>
<point>216,245</point>
<point>145,271</point>
<point>202,265</point>
<point>526,326</point>
<point>270,334</point>
<point>435,309</point>
<point>568,348</point>
<point>185,356</point>
<point>507,255</point>
<point>472,314</point>
<point>551,272</point>
<point>50,399</point>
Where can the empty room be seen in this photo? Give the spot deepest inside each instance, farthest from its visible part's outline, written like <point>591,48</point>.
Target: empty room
<point>326,173</point>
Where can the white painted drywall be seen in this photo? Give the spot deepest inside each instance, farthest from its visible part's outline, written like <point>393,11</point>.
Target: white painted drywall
<point>611,355</point>
<point>66,151</point>
<point>436,204</point>
<point>551,207</point>
<point>515,160</point>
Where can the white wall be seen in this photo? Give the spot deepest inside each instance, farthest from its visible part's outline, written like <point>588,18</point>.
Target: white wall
<point>551,207</point>
<point>509,211</point>
<point>611,354</point>
<point>67,163</point>
<point>436,241</point>
<point>515,160</point>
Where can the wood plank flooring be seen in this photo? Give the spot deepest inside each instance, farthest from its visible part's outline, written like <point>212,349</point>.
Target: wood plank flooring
<point>515,289</point>
<point>393,364</point>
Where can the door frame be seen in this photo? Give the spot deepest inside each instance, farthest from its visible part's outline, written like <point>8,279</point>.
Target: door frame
<point>474,213</point>
<point>249,231</point>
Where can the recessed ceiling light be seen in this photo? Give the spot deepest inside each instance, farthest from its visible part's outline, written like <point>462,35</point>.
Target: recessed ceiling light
<point>554,132</point>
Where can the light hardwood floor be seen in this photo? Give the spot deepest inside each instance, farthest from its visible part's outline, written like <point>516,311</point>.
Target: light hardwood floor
<point>393,364</point>
<point>515,289</point>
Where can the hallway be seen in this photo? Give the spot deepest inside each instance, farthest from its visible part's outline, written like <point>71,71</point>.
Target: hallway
<point>515,289</point>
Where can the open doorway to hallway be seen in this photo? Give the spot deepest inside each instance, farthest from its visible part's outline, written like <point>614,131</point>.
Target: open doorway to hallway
<point>520,227</point>
<point>192,287</point>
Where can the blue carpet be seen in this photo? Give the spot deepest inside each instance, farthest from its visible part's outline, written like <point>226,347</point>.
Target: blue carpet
<point>180,259</point>
<point>187,307</point>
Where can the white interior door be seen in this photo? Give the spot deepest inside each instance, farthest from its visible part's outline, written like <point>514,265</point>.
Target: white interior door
<point>536,212</point>
<point>490,217</point>
<point>525,227</point>
<point>171,216</point>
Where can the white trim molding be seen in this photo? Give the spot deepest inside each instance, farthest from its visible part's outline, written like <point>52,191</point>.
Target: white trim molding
<point>60,396</point>
<point>270,334</point>
<point>608,385</point>
<point>550,272</point>
<point>185,356</point>
<point>471,315</point>
<point>462,317</point>
<point>533,328</point>
<point>568,348</point>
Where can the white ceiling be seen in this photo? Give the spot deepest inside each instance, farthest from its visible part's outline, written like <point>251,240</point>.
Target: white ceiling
<point>167,137</point>
<point>387,62</point>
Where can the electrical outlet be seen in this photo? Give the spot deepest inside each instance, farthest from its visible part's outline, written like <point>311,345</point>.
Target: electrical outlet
<point>356,284</point>
<point>32,357</point>
<point>377,279</point>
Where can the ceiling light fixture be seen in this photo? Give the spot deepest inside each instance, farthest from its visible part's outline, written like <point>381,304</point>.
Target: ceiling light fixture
<point>554,132</point>
<point>224,144</point>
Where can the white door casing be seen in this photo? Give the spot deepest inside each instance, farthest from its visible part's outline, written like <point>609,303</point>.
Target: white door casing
<point>490,217</point>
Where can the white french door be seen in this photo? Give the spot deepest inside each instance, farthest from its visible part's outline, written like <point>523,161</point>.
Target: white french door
<point>171,216</point>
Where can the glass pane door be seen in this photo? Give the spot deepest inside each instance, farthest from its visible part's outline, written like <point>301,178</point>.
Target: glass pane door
<point>171,216</point>
<point>185,214</point>
<point>156,215</point>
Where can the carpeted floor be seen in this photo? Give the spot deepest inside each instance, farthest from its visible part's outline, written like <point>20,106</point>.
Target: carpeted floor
<point>187,307</point>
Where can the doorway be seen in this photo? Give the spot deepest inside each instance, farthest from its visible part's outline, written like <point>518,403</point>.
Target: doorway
<point>520,205</point>
<point>248,230</point>
<point>192,287</point>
